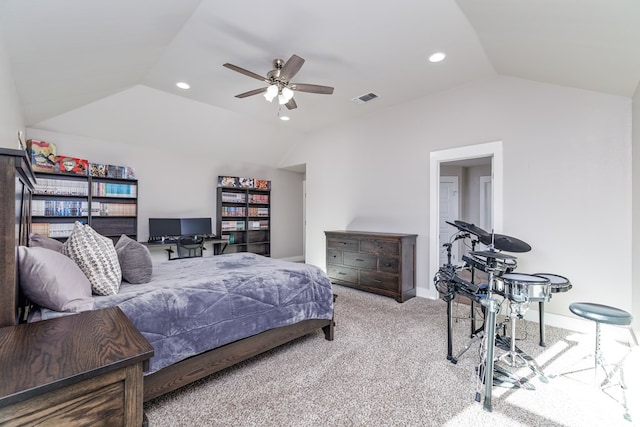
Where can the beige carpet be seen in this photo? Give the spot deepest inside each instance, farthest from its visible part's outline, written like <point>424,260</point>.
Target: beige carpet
<point>387,367</point>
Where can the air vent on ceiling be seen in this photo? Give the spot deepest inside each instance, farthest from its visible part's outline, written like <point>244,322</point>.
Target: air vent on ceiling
<point>365,98</point>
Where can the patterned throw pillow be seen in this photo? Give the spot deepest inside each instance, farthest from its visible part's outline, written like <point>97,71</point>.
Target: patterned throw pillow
<point>96,257</point>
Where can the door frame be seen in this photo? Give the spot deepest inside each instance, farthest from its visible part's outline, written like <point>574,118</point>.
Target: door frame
<point>489,149</point>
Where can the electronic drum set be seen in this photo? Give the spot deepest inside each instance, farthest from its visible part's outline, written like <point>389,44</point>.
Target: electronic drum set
<point>503,284</point>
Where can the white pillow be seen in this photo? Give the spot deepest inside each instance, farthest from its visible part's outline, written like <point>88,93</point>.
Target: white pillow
<point>97,258</point>
<point>52,280</point>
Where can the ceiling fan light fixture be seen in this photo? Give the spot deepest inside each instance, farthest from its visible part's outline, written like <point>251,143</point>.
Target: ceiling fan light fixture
<point>272,92</point>
<point>287,93</point>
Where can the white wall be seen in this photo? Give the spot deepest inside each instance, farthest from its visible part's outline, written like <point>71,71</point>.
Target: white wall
<point>181,183</point>
<point>567,173</point>
<point>11,117</point>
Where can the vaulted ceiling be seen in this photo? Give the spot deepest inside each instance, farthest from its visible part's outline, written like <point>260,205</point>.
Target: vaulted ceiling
<point>119,60</point>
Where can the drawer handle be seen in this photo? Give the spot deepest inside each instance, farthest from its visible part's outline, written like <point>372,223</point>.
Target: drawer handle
<point>387,265</point>
<point>342,274</point>
<point>359,260</point>
<point>377,280</point>
<point>334,256</point>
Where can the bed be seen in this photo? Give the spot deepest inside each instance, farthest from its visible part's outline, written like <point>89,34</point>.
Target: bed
<point>223,302</point>
<point>201,315</point>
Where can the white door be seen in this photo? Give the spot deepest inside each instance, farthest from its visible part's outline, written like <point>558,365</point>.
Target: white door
<point>448,212</point>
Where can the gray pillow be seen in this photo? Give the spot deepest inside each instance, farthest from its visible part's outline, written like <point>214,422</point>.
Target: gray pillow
<point>135,260</point>
<point>96,257</point>
<point>52,280</point>
<point>40,241</point>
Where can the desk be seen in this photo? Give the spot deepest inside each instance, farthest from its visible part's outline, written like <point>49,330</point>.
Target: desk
<point>218,246</point>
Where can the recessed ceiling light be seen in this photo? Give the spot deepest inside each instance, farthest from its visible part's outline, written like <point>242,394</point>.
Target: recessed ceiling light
<point>437,57</point>
<point>183,85</point>
<point>284,118</point>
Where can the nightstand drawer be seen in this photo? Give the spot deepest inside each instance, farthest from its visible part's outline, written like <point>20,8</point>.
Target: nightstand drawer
<point>343,244</point>
<point>360,260</point>
<point>379,281</point>
<point>344,274</point>
<point>334,256</point>
<point>382,247</point>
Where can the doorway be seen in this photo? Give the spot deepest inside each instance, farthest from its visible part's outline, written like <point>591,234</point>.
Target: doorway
<point>448,211</point>
<point>492,150</point>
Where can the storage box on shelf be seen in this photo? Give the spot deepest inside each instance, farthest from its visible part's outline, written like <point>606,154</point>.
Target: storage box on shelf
<point>109,205</point>
<point>382,263</point>
<point>244,219</point>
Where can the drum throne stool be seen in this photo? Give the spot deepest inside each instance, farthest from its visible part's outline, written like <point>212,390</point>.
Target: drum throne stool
<point>608,315</point>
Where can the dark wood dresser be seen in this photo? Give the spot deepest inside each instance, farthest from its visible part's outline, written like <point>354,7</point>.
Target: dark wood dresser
<point>383,263</point>
<point>82,369</point>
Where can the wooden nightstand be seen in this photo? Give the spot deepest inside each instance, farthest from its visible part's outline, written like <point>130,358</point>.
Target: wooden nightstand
<point>82,369</point>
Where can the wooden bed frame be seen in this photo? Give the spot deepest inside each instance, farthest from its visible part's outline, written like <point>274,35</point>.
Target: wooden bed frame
<point>15,225</point>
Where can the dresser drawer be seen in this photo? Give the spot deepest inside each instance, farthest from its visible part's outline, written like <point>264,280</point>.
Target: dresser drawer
<point>360,260</point>
<point>381,247</point>
<point>389,265</point>
<point>379,280</point>
<point>334,256</point>
<point>344,274</point>
<point>343,244</point>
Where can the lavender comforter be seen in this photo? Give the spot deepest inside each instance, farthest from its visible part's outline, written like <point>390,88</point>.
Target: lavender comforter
<point>194,305</point>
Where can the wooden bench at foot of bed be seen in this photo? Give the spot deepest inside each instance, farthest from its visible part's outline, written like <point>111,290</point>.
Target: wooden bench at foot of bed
<point>196,367</point>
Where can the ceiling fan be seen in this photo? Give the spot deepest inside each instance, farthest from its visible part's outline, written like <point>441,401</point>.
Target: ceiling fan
<point>279,82</point>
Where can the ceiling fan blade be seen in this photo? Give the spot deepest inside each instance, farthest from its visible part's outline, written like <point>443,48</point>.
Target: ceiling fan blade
<point>302,87</point>
<point>291,67</point>
<point>291,104</point>
<point>251,92</point>
<point>245,72</point>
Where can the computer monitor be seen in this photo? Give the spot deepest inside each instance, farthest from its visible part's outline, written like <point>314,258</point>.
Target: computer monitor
<point>195,226</point>
<point>164,227</point>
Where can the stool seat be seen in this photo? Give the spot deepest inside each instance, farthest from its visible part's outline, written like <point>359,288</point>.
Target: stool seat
<point>601,313</point>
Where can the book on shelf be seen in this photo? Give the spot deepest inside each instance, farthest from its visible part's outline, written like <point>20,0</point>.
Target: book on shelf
<point>259,225</point>
<point>59,208</point>
<point>259,198</point>
<point>253,211</point>
<point>112,189</point>
<point>113,209</point>
<point>233,225</point>
<point>234,197</point>
<point>234,211</point>
<point>53,230</point>
<point>61,187</point>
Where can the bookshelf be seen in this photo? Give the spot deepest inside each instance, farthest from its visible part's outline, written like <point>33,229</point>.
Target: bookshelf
<point>108,205</point>
<point>244,218</point>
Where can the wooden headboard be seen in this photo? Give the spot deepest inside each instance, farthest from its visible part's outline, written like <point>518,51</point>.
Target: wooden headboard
<point>16,185</point>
